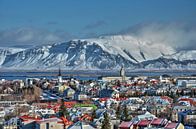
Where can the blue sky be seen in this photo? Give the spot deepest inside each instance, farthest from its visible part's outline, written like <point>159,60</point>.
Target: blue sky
<point>65,19</point>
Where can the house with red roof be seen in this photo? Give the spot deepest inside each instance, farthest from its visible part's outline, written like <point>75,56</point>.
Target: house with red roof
<point>34,122</point>
<point>167,99</point>
<point>190,101</point>
<point>126,125</point>
<point>144,123</point>
<point>159,122</point>
<point>156,123</point>
<point>28,122</point>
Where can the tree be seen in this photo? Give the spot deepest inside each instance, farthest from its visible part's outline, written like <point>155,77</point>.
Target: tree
<point>106,122</point>
<point>63,110</point>
<point>182,92</point>
<point>172,95</point>
<point>125,113</point>
<point>118,83</point>
<point>9,116</point>
<point>177,93</point>
<point>93,114</point>
<point>118,112</point>
<point>192,93</point>
<point>1,126</point>
<point>37,92</point>
<point>32,94</point>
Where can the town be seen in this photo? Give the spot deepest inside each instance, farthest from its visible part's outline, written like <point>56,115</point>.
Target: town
<point>116,102</point>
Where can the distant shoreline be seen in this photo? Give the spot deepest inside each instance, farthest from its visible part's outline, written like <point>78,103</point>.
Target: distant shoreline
<point>90,74</point>
<point>98,70</point>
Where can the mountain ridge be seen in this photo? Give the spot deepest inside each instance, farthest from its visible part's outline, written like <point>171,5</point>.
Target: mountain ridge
<point>106,52</point>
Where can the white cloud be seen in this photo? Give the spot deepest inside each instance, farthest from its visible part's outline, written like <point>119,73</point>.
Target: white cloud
<point>31,36</point>
<point>178,35</point>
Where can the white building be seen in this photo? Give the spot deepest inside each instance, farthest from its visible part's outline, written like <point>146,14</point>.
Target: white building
<point>186,82</point>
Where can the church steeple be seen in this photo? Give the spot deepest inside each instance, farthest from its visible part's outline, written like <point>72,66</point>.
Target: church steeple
<point>122,73</point>
<point>60,80</point>
<point>59,74</point>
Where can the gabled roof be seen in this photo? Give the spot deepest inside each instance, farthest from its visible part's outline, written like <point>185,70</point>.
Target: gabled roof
<point>166,98</point>
<point>106,93</point>
<point>144,122</point>
<point>49,120</point>
<point>80,125</point>
<point>171,125</point>
<point>26,118</point>
<point>103,99</point>
<point>146,116</point>
<point>125,124</point>
<point>191,101</point>
<point>158,121</point>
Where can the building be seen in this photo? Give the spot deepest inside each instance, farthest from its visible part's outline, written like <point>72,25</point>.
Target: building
<point>108,93</point>
<point>11,124</point>
<point>30,82</point>
<point>172,125</point>
<point>50,123</point>
<point>187,117</point>
<point>81,125</point>
<point>126,125</point>
<point>159,122</point>
<point>188,82</point>
<point>80,96</point>
<point>122,76</point>
<point>113,78</point>
<point>122,73</point>
<point>69,93</point>
<point>35,122</point>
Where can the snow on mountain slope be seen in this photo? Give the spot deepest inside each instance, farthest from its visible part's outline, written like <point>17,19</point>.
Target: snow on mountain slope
<point>168,63</point>
<point>178,60</point>
<point>132,48</point>
<point>183,55</point>
<point>12,50</point>
<point>108,52</point>
<point>70,55</point>
<point>4,51</point>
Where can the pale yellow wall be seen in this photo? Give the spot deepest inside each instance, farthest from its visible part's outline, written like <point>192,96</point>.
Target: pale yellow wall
<point>52,125</point>
<point>62,88</point>
<point>181,126</point>
<point>10,127</point>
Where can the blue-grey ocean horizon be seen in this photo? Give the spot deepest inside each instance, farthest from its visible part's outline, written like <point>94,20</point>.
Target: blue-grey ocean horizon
<point>88,75</point>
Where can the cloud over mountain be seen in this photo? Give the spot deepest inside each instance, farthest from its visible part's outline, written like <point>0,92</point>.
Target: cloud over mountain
<point>181,36</point>
<point>31,36</point>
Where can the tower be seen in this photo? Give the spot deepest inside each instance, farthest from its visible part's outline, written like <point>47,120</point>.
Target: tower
<point>122,73</point>
<point>60,80</point>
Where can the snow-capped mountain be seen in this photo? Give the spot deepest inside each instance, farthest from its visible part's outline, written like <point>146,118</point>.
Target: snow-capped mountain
<point>4,51</point>
<point>178,60</point>
<point>131,48</point>
<point>169,63</point>
<point>183,55</point>
<point>108,52</point>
